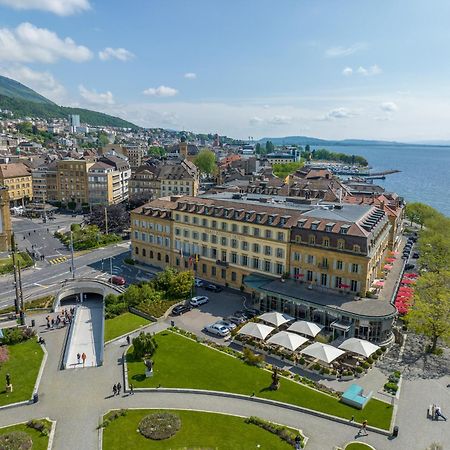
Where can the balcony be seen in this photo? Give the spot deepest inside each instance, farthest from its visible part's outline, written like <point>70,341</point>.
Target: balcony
<point>323,266</point>
<point>222,263</point>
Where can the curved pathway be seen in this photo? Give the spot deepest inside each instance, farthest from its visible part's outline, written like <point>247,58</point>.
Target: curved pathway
<point>78,398</point>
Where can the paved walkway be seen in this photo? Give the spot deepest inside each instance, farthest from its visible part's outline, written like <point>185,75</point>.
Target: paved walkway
<point>78,398</point>
<point>87,335</point>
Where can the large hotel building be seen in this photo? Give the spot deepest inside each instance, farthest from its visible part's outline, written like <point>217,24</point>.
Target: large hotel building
<point>311,261</point>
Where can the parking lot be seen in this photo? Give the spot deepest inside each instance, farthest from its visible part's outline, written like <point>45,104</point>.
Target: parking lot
<point>220,305</point>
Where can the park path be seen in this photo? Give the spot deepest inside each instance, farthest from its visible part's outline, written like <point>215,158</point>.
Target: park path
<point>78,398</point>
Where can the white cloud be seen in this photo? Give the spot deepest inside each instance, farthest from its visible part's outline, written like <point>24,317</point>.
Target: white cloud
<point>42,82</point>
<point>28,43</point>
<point>338,113</point>
<point>161,91</point>
<point>348,71</point>
<point>190,75</point>
<point>115,53</point>
<point>389,107</point>
<point>96,98</point>
<point>59,7</point>
<point>370,71</point>
<point>336,52</point>
<point>256,121</point>
<point>279,120</point>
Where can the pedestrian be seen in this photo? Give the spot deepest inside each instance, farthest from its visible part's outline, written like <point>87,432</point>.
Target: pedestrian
<point>119,387</point>
<point>363,428</point>
<point>114,390</point>
<point>78,358</point>
<point>128,340</point>
<point>131,389</point>
<point>439,413</point>
<point>83,357</point>
<point>53,322</point>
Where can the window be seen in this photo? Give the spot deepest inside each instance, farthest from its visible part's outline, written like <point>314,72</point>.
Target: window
<point>310,259</point>
<point>256,248</point>
<point>280,253</point>
<point>214,224</point>
<point>353,285</point>
<point>339,265</point>
<point>204,222</point>
<point>136,250</point>
<point>267,266</point>
<point>177,217</point>
<point>234,228</point>
<point>234,243</point>
<point>245,229</point>
<point>167,258</point>
<point>309,275</point>
<point>280,269</point>
<point>159,256</point>
<point>205,251</point>
<point>323,279</point>
<point>325,263</point>
<point>194,219</point>
<point>256,232</point>
<point>268,234</point>
<point>326,242</point>
<point>280,236</point>
<point>255,263</point>
<point>357,249</point>
<point>341,244</point>
<point>224,226</point>
<point>337,282</point>
<point>244,245</point>
<point>186,219</point>
<point>151,254</point>
<point>267,250</point>
<point>244,260</point>
<point>213,239</point>
<point>223,255</point>
<point>234,258</point>
<point>143,252</point>
<point>296,256</point>
<point>213,271</point>
<point>355,268</point>
<point>214,253</point>
<point>233,276</point>
<point>186,233</point>
<point>224,241</point>
<point>203,268</point>
<point>223,274</point>
<point>204,237</point>
<point>194,235</point>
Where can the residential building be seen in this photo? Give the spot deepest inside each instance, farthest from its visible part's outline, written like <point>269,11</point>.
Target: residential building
<point>183,150</point>
<point>16,177</point>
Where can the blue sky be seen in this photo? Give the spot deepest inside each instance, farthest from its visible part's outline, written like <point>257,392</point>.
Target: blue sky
<point>347,69</point>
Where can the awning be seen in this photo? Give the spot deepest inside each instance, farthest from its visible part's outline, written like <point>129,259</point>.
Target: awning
<point>304,327</point>
<point>393,253</point>
<point>359,346</point>
<point>291,341</point>
<point>407,281</point>
<point>256,330</point>
<point>379,283</point>
<point>275,318</point>
<point>411,275</point>
<point>390,260</point>
<point>323,352</point>
<point>344,286</point>
<point>387,267</point>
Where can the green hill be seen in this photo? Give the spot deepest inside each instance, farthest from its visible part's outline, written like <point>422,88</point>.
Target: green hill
<point>24,102</point>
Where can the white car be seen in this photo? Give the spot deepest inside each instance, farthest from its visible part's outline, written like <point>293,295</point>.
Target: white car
<point>198,282</point>
<point>218,330</point>
<point>199,300</point>
<point>227,324</point>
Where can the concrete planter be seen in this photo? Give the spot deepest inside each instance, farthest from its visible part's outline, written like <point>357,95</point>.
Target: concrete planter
<point>347,377</point>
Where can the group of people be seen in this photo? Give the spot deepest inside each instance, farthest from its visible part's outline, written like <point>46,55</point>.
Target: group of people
<point>117,388</point>
<point>436,413</point>
<point>62,319</point>
<point>81,357</point>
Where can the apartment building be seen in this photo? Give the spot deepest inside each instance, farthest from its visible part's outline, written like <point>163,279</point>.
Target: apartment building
<point>16,177</point>
<point>305,260</point>
<point>72,181</point>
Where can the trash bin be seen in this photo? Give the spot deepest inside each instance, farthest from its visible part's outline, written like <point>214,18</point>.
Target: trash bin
<point>35,397</point>
<point>395,431</point>
<point>33,322</point>
<point>172,323</point>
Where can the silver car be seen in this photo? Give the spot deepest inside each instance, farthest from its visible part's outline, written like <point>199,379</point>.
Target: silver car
<point>218,330</point>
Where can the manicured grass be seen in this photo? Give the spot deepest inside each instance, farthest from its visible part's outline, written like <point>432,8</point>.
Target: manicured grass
<point>40,442</point>
<point>23,366</point>
<point>357,446</point>
<point>125,323</point>
<point>198,430</point>
<point>180,362</point>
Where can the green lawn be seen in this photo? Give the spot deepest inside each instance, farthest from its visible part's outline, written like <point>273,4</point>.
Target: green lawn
<point>199,430</point>
<point>125,323</point>
<point>23,366</point>
<point>40,442</point>
<point>357,446</point>
<point>180,362</point>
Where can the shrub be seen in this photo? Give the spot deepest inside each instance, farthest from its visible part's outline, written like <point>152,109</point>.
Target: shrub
<point>374,356</point>
<point>391,387</point>
<point>40,425</point>
<point>302,361</point>
<point>365,365</point>
<point>251,358</point>
<point>130,261</point>
<point>383,348</point>
<point>283,432</point>
<point>159,426</point>
<point>316,366</point>
<point>325,371</point>
<point>112,416</point>
<point>16,335</point>
<point>347,373</point>
<point>16,440</point>
<point>379,352</point>
<point>370,360</point>
<point>397,373</point>
<point>144,345</point>
<point>359,369</point>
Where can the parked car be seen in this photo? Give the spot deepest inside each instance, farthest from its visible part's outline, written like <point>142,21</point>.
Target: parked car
<point>238,320</point>
<point>181,309</point>
<point>410,266</point>
<point>246,313</point>
<point>415,255</point>
<point>218,330</point>
<point>227,324</point>
<point>199,300</point>
<point>116,279</point>
<point>213,288</point>
<point>198,282</point>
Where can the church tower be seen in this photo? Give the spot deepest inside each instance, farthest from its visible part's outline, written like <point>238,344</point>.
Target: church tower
<point>5,221</point>
<point>183,146</point>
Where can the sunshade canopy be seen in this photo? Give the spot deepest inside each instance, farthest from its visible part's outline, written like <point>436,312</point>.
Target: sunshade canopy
<point>275,318</point>
<point>291,341</point>
<point>359,346</point>
<point>304,327</point>
<point>323,352</point>
<point>256,330</point>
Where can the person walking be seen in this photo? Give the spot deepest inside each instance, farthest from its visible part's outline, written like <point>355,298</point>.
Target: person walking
<point>119,387</point>
<point>83,357</point>
<point>78,358</point>
<point>128,340</point>
<point>363,428</point>
<point>438,413</point>
<point>131,389</point>
<point>114,390</point>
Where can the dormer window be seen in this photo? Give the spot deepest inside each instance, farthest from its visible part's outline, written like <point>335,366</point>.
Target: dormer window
<point>315,225</point>
<point>344,229</point>
<point>329,227</point>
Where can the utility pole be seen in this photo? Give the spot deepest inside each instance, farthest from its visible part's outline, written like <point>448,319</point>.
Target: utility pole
<point>111,266</point>
<point>16,283</point>
<point>106,220</point>
<point>71,255</point>
<point>22,306</point>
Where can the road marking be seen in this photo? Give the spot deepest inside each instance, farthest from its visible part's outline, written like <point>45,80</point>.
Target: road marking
<point>59,260</point>
<point>41,285</point>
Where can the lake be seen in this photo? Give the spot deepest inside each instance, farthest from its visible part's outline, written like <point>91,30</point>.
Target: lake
<point>425,170</point>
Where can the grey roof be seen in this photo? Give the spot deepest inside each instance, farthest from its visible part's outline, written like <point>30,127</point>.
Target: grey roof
<point>343,302</point>
<point>347,213</point>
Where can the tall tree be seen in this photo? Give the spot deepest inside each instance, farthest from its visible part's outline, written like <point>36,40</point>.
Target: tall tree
<point>269,147</point>
<point>419,213</point>
<point>206,162</point>
<point>258,148</point>
<point>430,315</point>
<point>117,215</point>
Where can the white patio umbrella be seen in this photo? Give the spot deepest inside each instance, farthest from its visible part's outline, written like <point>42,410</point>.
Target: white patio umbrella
<point>359,346</point>
<point>323,352</point>
<point>275,318</point>
<point>291,341</point>
<point>256,330</point>
<point>304,327</point>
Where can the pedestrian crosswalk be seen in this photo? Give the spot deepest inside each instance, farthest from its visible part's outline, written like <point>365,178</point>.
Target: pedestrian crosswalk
<point>58,260</point>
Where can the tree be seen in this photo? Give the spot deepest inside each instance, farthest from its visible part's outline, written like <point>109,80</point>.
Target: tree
<point>269,147</point>
<point>137,200</point>
<point>144,345</point>
<point>182,285</point>
<point>430,315</point>
<point>206,162</point>
<point>118,218</point>
<point>154,150</point>
<point>258,148</point>
<point>102,139</point>
<point>419,213</point>
<point>434,249</point>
